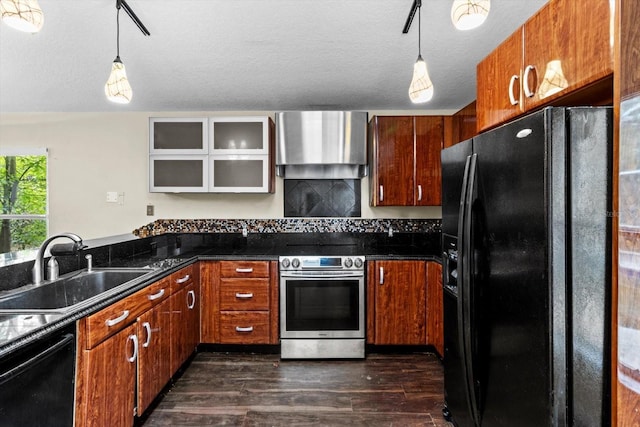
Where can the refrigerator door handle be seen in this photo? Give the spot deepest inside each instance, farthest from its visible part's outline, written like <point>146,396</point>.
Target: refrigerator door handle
<point>466,300</point>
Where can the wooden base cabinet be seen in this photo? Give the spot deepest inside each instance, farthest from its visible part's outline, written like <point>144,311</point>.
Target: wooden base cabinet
<point>107,375</point>
<point>404,303</point>
<point>129,350</point>
<point>240,302</point>
<point>405,160</point>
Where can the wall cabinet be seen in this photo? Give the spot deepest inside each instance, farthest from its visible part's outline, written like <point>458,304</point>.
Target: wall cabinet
<point>216,155</point>
<point>405,160</point>
<point>404,303</point>
<point>240,302</point>
<point>565,46</point>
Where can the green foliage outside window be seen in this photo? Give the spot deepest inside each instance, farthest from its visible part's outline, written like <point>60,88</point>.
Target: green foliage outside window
<point>23,193</point>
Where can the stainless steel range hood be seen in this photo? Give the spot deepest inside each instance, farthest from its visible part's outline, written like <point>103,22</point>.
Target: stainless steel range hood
<point>321,144</point>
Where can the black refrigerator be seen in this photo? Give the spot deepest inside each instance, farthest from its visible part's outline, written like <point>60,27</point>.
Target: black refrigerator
<point>526,239</point>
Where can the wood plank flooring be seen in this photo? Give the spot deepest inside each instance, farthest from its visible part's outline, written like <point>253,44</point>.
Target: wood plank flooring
<point>227,389</point>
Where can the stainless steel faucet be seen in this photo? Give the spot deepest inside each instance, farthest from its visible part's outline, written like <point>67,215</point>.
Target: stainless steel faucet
<point>38,266</point>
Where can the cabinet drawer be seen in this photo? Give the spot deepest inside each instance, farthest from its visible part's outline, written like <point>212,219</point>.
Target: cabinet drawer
<point>181,278</point>
<point>247,294</point>
<point>116,317</point>
<point>244,327</point>
<point>157,292</point>
<point>236,269</point>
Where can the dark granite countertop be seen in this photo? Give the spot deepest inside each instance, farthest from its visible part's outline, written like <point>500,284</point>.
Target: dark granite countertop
<point>17,331</point>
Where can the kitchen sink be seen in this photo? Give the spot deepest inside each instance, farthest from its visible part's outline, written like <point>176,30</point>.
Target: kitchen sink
<point>70,291</point>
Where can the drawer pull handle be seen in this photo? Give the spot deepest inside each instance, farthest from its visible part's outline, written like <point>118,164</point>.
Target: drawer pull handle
<point>134,356</point>
<point>147,328</point>
<point>191,304</point>
<point>182,280</point>
<point>245,329</point>
<point>525,81</point>
<point>244,270</point>
<point>113,322</point>
<point>241,295</point>
<point>512,97</point>
<point>157,295</point>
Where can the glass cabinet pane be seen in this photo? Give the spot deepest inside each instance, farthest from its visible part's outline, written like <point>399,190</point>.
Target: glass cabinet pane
<point>183,174</point>
<point>178,135</point>
<point>235,175</point>
<point>239,135</point>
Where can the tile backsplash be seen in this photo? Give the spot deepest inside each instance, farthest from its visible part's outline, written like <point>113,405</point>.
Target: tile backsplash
<point>289,225</point>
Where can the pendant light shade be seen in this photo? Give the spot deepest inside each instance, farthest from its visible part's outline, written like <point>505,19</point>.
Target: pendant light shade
<point>421,88</point>
<point>23,15</point>
<point>469,14</point>
<point>117,88</point>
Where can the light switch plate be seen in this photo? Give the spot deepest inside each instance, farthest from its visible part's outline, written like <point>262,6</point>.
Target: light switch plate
<point>149,210</point>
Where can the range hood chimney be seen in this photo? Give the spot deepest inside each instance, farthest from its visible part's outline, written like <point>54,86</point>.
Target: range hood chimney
<point>321,144</point>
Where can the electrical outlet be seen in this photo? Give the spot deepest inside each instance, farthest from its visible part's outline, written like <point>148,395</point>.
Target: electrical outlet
<point>112,197</point>
<point>149,210</point>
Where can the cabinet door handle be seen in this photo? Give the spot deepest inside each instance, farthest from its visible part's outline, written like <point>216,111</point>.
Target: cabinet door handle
<point>147,328</point>
<point>382,275</point>
<point>244,270</point>
<point>182,280</point>
<point>191,294</point>
<point>121,318</point>
<point>244,329</point>
<point>134,356</point>
<point>247,295</point>
<point>512,97</point>
<point>157,295</point>
<point>419,192</point>
<point>525,83</point>
<point>381,192</point>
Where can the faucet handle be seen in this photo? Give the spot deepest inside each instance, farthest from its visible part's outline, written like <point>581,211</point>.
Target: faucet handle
<point>89,259</point>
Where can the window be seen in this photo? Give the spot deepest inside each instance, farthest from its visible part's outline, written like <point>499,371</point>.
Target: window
<point>23,199</point>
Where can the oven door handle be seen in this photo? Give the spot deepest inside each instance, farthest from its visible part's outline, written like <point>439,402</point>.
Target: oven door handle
<point>308,275</point>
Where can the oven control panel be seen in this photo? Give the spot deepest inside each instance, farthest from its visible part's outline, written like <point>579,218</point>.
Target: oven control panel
<point>322,263</point>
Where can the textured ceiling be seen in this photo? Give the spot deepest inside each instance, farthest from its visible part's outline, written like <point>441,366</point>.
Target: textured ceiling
<point>259,55</point>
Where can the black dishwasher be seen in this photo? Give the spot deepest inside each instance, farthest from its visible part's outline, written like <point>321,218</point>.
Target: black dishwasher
<point>37,383</point>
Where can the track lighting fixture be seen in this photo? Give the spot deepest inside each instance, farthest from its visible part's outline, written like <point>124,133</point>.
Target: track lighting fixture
<point>117,88</point>
<point>23,15</point>
<point>421,87</point>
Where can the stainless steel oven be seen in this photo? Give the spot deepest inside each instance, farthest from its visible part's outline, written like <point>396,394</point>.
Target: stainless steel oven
<point>322,307</point>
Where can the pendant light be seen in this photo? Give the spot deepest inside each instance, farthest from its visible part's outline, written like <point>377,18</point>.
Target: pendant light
<point>23,15</point>
<point>469,14</point>
<point>421,87</point>
<point>117,88</point>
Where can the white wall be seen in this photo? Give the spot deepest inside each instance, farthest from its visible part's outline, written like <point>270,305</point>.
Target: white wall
<point>93,153</point>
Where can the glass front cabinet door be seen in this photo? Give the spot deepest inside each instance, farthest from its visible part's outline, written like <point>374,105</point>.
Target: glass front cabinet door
<point>215,154</point>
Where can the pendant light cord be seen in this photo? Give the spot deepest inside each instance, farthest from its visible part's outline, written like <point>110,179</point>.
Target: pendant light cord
<point>419,26</point>
<point>118,29</point>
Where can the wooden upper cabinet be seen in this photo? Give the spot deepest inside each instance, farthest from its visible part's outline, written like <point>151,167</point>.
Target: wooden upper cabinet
<point>405,160</point>
<point>498,88</point>
<point>392,174</point>
<point>429,132</point>
<point>564,47</point>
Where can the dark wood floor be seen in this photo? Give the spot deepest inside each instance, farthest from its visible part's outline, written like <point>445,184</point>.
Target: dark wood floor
<point>261,390</point>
